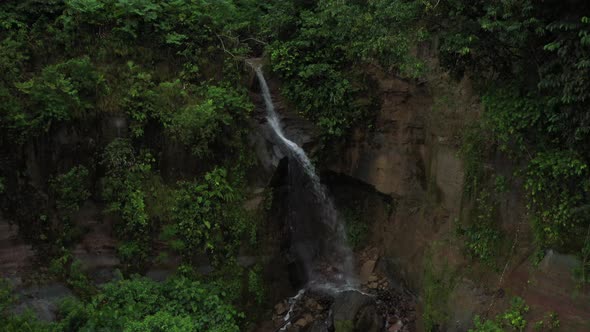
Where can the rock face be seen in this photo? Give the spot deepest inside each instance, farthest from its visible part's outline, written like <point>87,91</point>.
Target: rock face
<point>15,254</point>
<point>412,157</point>
<point>355,312</point>
<point>42,300</point>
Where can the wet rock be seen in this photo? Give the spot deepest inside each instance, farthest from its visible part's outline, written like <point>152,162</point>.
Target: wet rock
<point>42,300</point>
<point>304,321</point>
<point>15,255</point>
<point>281,308</point>
<point>355,312</point>
<point>159,275</point>
<point>313,305</point>
<point>318,326</point>
<point>367,270</point>
<point>397,327</point>
<point>368,320</point>
<point>253,203</point>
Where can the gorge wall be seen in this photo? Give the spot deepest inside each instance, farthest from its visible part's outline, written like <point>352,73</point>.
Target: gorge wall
<point>413,156</point>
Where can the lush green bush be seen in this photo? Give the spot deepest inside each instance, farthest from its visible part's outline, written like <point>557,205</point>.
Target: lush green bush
<point>214,119</point>
<point>123,191</point>
<point>140,304</point>
<point>68,269</point>
<point>62,92</point>
<point>512,319</point>
<point>68,192</point>
<point>208,217</point>
<point>11,322</point>
<point>437,283</point>
<point>357,229</point>
<point>482,235</point>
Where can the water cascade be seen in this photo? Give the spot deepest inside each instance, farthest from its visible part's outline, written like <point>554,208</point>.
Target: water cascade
<point>318,237</point>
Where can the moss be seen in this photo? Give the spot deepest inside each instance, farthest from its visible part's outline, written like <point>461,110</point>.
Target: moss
<point>437,284</point>
<point>343,326</point>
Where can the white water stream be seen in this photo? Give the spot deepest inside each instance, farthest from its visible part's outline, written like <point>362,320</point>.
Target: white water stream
<point>341,258</point>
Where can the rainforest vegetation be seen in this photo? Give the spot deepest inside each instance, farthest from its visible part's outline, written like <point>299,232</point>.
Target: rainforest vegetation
<point>103,92</point>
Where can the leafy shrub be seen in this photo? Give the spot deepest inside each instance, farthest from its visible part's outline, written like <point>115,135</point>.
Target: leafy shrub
<point>214,119</point>
<point>208,216</point>
<point>62,92</point>
<point>357,230</point>
<point>482,237</point>
<point>70,190</point>
<point>137,304</point>
<point>16,323</point>
<point>437,284</point>
<point>123,190</point>
<point>67,268</point>
<point>557,185</point>
<point>513,318</point>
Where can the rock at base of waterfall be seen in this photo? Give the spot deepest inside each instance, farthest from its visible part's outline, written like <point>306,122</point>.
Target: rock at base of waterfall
<point>313,305</point>
<point>304,321</point>
<point>373,285</point>
<point>369,320</point>
<point>367,270</point>
<point>318,326</point>
<point>281,308</point>
<point>397,327</point>
<point>354,311</point>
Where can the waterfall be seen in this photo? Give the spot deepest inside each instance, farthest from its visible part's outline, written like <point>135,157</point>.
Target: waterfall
<point>326,256</point>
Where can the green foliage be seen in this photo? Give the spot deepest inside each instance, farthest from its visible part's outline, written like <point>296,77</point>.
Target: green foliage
<point>123,190</point>
<point>326,42</point>
<point>70,190</point>
<point>62,92</point>
<point>482,237</point>
<point>512,319</point>
<point>16,323</point>
<point>67,193</point>
<point>173,70</point>
<point>208,216</point>
<point>582,272</point>
<point>557,183</point>
<point>437,283</point>
<point>66,268</point>
<point>256,284</point>
<point>549,323</point>
<point>531,61</point>
<point>212,120</point>
<point>139,304</point>
<point>475,148</point>
<point>357,229</point>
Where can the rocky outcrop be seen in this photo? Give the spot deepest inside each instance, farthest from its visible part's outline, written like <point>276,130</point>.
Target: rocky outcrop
<point>354,311</point>
<point>42,300</point>
<point>412,157</point>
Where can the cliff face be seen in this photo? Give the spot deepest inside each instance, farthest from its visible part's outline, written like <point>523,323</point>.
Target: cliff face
<point>406,177</point>
<point>412,155</point>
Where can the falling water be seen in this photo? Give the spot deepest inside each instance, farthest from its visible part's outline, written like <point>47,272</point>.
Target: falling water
<point>332,248</point>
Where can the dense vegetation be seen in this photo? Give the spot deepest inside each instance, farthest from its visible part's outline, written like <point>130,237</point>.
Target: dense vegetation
<point>124,84</point>
<point>102,94</point>
<point>530,62</point>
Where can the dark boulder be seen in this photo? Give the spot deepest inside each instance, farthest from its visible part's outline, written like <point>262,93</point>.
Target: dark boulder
<point>356,312</point>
